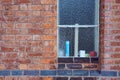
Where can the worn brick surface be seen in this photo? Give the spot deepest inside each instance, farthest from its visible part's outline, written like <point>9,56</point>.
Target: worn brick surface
<point>28,40</point>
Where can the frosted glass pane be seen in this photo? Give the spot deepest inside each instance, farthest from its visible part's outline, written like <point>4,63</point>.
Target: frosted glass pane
<point>76,11</point>
<point>86,39</point>
<point>66,34</point>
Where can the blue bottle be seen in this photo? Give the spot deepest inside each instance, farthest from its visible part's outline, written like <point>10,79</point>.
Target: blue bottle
<point>67,45</point>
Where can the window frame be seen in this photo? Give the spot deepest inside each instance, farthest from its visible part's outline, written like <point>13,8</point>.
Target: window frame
<point>76,26</point>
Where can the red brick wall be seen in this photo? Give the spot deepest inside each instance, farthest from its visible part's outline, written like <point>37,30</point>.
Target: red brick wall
<point>28,36</point>
<point>110,34</point>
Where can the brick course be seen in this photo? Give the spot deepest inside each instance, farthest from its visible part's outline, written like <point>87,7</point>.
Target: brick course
<point>28,43</point>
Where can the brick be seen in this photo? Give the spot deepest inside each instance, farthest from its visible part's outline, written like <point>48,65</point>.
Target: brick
<point>47,25</point>
<point>81,60</point>
<point>80,72</point>
<point>65,60</point>
<point>115,44</point>
<point>34,43</point>
<point>10,43</point>
<point>23,61</point>
<point>23,31</point>
<point>8,37</point>
<point>35,13</point>
<point>22,1</point>
<point>34,78</point>
<point>48,61</point>
<point>36,2</point>
<point>24,49</point>
<point>23,37</point>
<point>47,1</point>
<point>48,73</point>
<point>2,78</point>
<point>23,67</point>
<point>36,66</point>
<point>35,31</point>
<point>90,78</point>
<point>115,19</point>
<point>105,7</point>
<point>48,13</point>
<point>35,54</point>
<point>12,31</point>
<point>35,7</point>
<point>16,72</point>
<point>2,7</point>
<point>8,25</point>
<point>12,7</point>
<point>48,37</point>
<point>36,19</point>
<point>115,7</point>
<point>31,72</point>
<point>64,72</point>
<point>8,60</point>
<point>115,67</point>
<point>11,66</point>
<point>4,73</point>
<point>2,67</point>
<point>7,1</point>
<point>50,31</point>
<point>23,19</point>
<point>48,49</point>
<point>2,31</point>
<point>23,7</point>
<point>74,66</point>
<point>52,67</point>
<point>117,1</point>
<point>60,78</point>
<point>76,78</point>
<point>47,78</point>
<point>11,78</point>
<point>24,25</point>
<point>8,13</point>
<point>61,66</point>
<point>91,66</point>
<point>94,73</point>
<point>7,49</point>
<point>23,78</point>
<point>11,55</point>
<point>23,13</point>
<point>108,73</point>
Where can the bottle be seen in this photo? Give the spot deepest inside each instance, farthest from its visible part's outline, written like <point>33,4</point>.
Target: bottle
<point>67,45</point>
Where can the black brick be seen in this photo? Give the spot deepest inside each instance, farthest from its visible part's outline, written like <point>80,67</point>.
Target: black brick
<point>75,78</point>
<point>61,66</point>
<point>90,78</point>
<point>74,66</point>
<point>65,60</point>
<point>60,78</point>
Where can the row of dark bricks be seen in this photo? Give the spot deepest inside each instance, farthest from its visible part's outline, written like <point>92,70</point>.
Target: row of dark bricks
<point>58,73</point>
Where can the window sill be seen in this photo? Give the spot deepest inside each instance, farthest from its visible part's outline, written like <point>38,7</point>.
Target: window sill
<point>78,60</point>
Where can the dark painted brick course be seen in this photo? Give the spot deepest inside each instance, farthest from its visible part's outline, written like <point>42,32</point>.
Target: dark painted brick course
<point>48,73</point>
<point>4,73</point>
<point>94,73</point>
<point>94,60</point>
<point>31,72</point>
<point>90,78</point>
<point>75,78</point>
<point>81,60</point>
<point>65,60</point>
<point>61,78</point>
<point>64,72</point>
<point>108,73</point>
<point>16,72</point>
<point>74,66</point>
<point>80,73</point>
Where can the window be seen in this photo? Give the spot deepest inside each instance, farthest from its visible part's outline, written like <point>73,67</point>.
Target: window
<point>78,22</point>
